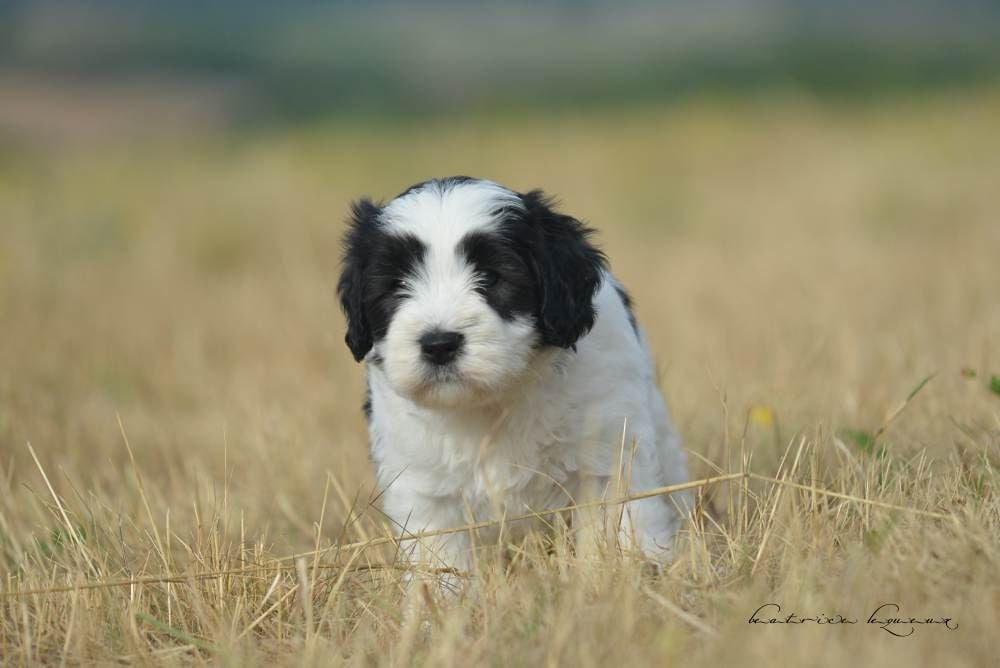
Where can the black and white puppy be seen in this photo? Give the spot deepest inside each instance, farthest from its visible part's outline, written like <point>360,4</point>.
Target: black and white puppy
<point>506,372</point>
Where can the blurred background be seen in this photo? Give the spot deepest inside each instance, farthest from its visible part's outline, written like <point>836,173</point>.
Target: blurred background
<point>107,67</point>
<point>801,196</point>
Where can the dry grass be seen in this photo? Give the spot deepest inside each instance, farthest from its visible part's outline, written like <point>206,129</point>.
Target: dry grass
<point>800,270</point>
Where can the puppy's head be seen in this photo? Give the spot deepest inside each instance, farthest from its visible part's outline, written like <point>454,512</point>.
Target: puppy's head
<point>457,285</point>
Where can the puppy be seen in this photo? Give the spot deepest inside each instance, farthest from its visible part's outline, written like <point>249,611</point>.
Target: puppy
<point>506,371</point>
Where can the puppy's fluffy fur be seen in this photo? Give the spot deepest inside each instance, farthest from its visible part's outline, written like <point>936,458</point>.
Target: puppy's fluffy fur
<point>505,367</point>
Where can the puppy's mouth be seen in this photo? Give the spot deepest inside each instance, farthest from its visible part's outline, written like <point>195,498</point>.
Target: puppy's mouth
<point>448,387</point>
<point>442,374</point>
<point>440,380</point>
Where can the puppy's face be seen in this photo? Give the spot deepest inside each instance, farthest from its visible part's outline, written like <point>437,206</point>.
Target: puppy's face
<point>457,285</point>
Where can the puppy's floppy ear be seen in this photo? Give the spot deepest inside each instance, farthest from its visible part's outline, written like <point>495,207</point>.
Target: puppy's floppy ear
<point>567,269</point>
<point>363,224</point>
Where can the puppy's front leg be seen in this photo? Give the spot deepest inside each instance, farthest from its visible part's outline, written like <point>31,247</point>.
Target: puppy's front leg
<point>414,514</point>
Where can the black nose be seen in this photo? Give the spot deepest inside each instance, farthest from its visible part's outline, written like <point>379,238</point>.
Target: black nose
<point>441,347</point>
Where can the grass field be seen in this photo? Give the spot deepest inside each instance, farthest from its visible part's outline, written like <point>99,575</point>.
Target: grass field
<point>800,269</point>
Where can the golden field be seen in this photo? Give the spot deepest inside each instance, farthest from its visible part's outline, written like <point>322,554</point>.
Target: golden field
<point>799,267</point>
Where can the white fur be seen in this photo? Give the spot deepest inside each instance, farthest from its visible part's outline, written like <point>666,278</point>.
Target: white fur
<point>514,427</point>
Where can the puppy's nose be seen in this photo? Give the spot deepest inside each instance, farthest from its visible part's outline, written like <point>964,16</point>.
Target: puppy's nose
<point>440,347</point>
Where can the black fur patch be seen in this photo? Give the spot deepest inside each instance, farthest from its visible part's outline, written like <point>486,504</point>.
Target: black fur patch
<point>504,278</point>
<point>627,303</point>
<point>392,259</point>
<point>375,264</point>
<point>566,267</point>
<point>366,406</point>
<point>539,263</point>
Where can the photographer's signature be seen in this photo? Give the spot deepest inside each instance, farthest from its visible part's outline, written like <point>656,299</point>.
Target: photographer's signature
<point>887,617</point>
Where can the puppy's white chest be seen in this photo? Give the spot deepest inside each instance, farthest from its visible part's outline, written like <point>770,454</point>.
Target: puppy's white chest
<point>516,477</point>
<point>490,469</point>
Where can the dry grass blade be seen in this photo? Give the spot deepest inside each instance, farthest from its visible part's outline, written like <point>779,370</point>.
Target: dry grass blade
<point>849,497</point>
<point>214,575</point>
<point>681,614</point>
<point>358,547</point>
<point>409,536</point>
<point>70,529</point>
<point>260,618</point>
<point>142,492</point>
<point>901,407</point>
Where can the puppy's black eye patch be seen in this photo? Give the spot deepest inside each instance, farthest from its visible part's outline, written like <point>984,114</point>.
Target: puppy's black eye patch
<point>394,258</point>
<point>500,273</point>
<point>488,278</point>
<point>491,259</point>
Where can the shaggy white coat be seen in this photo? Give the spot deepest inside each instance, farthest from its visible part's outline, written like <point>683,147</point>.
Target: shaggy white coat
<point>513,428</point>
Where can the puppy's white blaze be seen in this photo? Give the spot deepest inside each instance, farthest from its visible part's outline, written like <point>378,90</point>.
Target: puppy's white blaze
<point>441,214</point>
